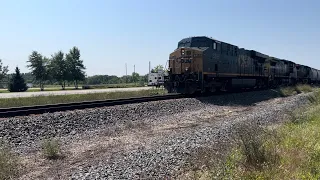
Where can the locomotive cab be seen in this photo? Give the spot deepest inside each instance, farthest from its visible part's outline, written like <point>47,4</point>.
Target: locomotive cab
<point>186,65</point>
<point>184,70</point>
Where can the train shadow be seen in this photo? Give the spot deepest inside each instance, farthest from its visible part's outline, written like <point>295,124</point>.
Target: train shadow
<point>240,98</point>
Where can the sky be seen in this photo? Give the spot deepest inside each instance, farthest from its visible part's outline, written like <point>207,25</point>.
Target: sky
<point>111,34</point>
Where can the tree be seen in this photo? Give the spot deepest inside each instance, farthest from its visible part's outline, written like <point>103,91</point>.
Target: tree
<point>157,68</point>
<point>58,68</point>
<point>135,77</point>
<point>38,66</point>
<point>28,77</point>
<point>75,66</point>
<point>3,70</point>
<point>17,82</point>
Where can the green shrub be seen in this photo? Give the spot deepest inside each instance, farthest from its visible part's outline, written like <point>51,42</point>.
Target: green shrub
<point>17,83</point>
<point>303,88</point>
<point>86,87</point>
<point>258,146</point>
<point>287,91</point>
<point>51,149</point>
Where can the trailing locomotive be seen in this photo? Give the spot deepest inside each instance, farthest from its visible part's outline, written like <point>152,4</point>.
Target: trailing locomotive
<point>203,64</point>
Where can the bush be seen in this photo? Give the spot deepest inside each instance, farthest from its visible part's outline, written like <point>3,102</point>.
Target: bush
<point>258,146</point>
<point>287,91</point>
<point>51,149</point>
<point>86,87</point>
<point>17,83</point>
<point>303,88</point>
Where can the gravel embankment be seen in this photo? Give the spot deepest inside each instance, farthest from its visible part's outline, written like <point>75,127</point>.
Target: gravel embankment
<point>167,156</point>
<point>23,131</point>
<point>28,129</point>
<point>165,149</point>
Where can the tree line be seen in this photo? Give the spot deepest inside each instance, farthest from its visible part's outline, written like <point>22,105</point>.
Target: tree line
<point>62,69</point>
<point>59,68</point>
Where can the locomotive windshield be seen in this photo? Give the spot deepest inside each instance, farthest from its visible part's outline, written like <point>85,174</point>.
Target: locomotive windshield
<point>195,42</point>
<point>184,44</point>
<point>200,42</point>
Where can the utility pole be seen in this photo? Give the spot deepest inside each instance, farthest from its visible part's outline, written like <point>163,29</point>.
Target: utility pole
<point>126,74</point>
<point>149,66</point>
<point>134,73</point>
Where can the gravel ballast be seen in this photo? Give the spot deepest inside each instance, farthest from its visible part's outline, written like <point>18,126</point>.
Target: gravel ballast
<point>175,128</point>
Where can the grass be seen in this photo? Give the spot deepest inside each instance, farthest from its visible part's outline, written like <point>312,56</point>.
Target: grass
<point>292,90</point>
<point>54,99</point>
<point>102,86</point>
<point>288,151</point>
<point>51,149</point>
<point>9,163</point>
<point>46,89</point>
<point>124,85</point>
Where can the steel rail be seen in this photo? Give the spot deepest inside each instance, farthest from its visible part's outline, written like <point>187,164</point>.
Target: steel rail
<point>49,108</point>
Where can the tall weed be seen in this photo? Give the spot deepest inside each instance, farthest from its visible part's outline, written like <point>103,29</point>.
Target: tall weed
<point>10,165</point>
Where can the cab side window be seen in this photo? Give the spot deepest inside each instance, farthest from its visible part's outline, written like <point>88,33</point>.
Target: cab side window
<point>214,45</point>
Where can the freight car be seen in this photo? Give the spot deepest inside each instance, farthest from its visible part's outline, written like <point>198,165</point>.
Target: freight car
<point>203,64</point>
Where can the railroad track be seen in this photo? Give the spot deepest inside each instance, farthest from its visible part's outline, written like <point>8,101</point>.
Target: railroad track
<point>40,109</point>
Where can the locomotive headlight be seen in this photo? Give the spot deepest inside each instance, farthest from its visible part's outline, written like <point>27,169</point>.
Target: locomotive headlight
<point>187,68</point>
<point>182,51</point>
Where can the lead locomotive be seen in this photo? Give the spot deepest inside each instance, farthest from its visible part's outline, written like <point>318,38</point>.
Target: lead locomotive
<point>202,64</point>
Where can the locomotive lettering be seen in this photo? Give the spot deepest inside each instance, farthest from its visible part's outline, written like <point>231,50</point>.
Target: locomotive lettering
<point>185,60</point>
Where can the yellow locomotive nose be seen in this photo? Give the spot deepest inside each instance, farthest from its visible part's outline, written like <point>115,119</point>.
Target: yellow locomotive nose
<point>185,60</point>
<point>185,66</point>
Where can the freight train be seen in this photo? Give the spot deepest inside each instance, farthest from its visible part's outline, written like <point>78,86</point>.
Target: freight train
<point>203,64</point>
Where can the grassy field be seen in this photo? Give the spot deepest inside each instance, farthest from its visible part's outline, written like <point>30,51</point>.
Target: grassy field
<point>288,151</point>
<point>54,99</point>
<point>58,88</point>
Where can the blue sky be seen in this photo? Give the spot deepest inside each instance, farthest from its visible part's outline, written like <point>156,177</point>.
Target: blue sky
<point>112,33</point>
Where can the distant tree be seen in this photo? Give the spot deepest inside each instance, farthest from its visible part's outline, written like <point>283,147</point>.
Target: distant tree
<point>58,69</point>
<point>102,79</point>
<point>28,77</point>
<point>144,78</point>
<point>135,77</point>
<point>38,66</point>
<point>157,68</point>
<point>3,70</point>
<point>112,79</point>
<point>17,82</point>
<point>75,66</point>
